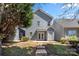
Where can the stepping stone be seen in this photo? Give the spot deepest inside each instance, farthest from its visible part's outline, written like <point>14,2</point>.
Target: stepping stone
<point>40,47</point>
<point>41,52</point>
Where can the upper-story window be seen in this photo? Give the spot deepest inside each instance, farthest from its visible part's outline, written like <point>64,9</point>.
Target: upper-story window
<point>78,22</point>
<point>30,33</point>
<point>38,22</point>
<point>48,24</point>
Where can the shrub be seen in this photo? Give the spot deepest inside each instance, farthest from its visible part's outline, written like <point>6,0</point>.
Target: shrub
<point>24,38</point>
<point>73,38</point>
<point>73,41</point>
<point>1,36</point>
<point>64,40</point>
<point>61,50</point>
<point>68,39</point>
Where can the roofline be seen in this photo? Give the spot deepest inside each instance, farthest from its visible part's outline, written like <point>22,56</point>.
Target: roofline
<point>44,13</point>
<point>71,27</point>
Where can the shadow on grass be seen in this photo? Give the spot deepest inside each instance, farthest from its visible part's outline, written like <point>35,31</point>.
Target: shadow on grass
<point>9,43</point>
<point>17,51</point>
<point>52,50</point>
<point>60,50</point>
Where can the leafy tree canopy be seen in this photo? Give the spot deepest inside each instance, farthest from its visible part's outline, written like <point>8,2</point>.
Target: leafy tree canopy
<point>13,14</point>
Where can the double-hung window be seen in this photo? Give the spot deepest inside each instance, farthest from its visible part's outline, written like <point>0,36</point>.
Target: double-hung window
<point>71,32</point>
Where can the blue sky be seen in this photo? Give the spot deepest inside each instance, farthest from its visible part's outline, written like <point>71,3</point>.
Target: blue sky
<point>55,9</point>
<point>52,8</point>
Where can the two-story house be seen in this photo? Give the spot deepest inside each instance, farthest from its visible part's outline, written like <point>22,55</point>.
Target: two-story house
<point>40,30</point>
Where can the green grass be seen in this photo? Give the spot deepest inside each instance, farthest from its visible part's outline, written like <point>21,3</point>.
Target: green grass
<point>17,51</point>
<point>61,50</point>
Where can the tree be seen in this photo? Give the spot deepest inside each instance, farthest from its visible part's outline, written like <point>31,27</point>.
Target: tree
<point>13,15</point>
<point>71,9</point>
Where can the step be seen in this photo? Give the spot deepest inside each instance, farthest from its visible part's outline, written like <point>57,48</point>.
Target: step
<point>41,52</point>
<point>40,47</point>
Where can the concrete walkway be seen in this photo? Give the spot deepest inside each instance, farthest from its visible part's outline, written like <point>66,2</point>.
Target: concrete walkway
<point>41,51</point>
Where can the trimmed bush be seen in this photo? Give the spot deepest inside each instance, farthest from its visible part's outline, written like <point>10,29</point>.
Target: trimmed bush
<point>1,36</point>
<point>67,39</point>
<point>73,38</point>
<point>64,40</point>
<point>24,38</point>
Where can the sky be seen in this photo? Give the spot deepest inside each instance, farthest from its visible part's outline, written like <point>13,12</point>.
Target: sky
<point>52,8</point>
<point>56,9</point>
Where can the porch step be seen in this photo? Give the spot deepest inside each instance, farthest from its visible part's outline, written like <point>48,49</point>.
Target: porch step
<point>40,47</point>
<point>41,51</point>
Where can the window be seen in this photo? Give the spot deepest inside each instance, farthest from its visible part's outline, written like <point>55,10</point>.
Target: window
<point>48,24</point>
<point>38,22</point>
<point>42,36</point>
<point>39,35</point>
<point>71,32</point>
<point>78,22</point>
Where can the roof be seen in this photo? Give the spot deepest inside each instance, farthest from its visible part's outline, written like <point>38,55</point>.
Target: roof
<point>70,23</point>
<point>44,12</point>
<point>44,15</point>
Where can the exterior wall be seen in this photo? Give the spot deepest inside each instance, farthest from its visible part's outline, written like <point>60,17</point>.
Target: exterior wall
<point>59,31</point>
<point>34,27</point>
<point>34,37</point>
<point>16,37</point>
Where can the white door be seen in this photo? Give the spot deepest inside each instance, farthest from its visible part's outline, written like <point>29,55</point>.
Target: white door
<point>41,36</point>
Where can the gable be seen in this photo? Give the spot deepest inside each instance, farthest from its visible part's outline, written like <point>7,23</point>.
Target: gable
<point>44,15</point>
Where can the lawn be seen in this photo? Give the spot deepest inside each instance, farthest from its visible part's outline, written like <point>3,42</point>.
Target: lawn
<point>20,48</point>
<point>60,50</point>
<point>28,49</point>
<point>17,51</point>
